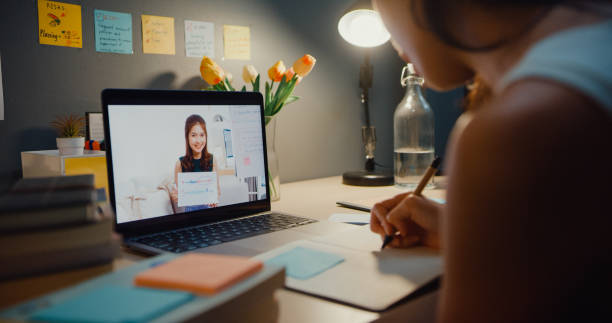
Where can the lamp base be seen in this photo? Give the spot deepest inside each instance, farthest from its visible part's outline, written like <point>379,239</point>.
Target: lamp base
<point>367,178</point>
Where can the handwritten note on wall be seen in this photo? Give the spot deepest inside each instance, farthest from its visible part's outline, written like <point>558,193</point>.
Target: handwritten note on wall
<point>199,39</point>
<point>158,35</point>
<point>59,24</point>
<point>237,42</point>
<point>113,32</point>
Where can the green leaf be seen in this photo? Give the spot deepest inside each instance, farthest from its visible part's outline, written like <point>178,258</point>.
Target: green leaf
<point>267,107</point>
<point>229,85</point>
<point>256,84</point>
<point>291,99</point>
<point>283,96</point>
<point>243,88</point>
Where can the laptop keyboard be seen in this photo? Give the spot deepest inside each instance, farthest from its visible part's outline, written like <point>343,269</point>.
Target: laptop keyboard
<point>202,236</point>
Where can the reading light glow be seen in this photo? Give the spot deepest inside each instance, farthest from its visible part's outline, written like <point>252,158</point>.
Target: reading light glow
<point>363,28</point>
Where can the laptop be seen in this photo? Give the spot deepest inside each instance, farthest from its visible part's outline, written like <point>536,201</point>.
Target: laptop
<point>188,170</point>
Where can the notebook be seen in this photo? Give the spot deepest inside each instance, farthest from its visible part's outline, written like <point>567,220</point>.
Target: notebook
<point>187,171</point>
<point>365,277</point>
<point>199,273</point>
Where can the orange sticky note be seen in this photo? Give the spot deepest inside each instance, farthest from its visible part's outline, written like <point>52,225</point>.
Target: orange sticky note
<point>199,273</point>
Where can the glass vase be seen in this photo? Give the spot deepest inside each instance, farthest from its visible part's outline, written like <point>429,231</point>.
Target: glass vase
<point>273,171</point>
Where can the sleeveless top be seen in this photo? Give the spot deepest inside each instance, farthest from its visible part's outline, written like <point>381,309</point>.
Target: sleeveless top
<point>579,57</point>
<point>196,165</point>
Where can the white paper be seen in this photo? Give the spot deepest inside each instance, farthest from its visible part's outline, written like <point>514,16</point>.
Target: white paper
<point>199,39</point>
<point>248,142</point>
<point>354,218</point>
<point>96,127</point>
<point>197,188</point>
<point>1,92</point>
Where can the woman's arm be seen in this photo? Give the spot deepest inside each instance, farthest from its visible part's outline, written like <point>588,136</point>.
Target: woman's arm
<point>520,231</point>
<point>174,191</point>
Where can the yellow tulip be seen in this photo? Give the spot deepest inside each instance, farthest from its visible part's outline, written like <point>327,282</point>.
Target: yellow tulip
<point>211,72</point>
<point>304,65</point>
<point>277,71</point>
<point>249,74</point>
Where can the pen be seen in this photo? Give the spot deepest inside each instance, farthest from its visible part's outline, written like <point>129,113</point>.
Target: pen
<point>353,206</point>
<point>431,170</point>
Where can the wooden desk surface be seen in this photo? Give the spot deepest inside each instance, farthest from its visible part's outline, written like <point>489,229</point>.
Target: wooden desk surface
<point>317,199</point>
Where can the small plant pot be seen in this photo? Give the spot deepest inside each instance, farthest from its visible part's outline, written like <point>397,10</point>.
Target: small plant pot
<point>71,146</point>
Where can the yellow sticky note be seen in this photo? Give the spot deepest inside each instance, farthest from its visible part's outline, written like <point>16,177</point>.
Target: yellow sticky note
<point>59,24</point>
<point>157,35</point>
<point>237,42</point>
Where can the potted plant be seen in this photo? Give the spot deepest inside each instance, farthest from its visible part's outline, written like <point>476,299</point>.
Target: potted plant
<point>70,139</point>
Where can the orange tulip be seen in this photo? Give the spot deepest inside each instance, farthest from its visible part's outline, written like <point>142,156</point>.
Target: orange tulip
<point>289,75</point>
<point>277,71</point>
<point>304,65</point>
<point>211,72</point>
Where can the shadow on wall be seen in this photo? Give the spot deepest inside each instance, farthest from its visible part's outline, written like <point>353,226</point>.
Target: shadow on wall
<point>164,81</point>
<point>194,83</point>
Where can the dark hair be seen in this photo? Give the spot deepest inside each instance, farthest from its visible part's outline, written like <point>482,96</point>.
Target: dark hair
<point>434,16</point>
<point>187,161</point>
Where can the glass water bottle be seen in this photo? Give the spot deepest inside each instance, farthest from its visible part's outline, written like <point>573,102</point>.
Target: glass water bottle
<point>413,127</point>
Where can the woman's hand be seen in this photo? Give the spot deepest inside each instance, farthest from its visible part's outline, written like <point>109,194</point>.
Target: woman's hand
<point>415,218</point>
<point>174,194</point>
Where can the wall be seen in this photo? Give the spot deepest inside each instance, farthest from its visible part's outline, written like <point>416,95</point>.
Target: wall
<point>319,135</point>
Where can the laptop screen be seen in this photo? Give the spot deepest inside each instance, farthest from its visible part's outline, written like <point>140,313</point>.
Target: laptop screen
<point>183,159</point>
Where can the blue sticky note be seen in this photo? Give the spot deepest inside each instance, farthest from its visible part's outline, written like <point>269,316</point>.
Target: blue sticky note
<point>113,31</point>
<point>114,304</point>
<point>303,263</point>
<point>441,201</point>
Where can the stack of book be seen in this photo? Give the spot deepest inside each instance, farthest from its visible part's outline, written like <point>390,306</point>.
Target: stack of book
<point>53,224</point>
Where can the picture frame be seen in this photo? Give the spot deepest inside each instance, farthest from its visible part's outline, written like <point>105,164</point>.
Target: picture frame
<point>94,126</point>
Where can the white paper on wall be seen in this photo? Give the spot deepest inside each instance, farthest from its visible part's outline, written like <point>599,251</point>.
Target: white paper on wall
<point>197,188</point>
<point>199,39</point>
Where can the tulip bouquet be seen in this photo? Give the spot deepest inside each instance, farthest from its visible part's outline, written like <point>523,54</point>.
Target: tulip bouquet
<point>274,99</point>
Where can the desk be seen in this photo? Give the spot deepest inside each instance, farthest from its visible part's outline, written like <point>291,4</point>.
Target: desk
<point>317,199</point>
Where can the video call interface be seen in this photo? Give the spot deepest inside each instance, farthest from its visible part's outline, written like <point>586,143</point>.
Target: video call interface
<point>179,159</point>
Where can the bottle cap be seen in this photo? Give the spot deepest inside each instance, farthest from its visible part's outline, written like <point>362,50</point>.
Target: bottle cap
<point>407,71</point>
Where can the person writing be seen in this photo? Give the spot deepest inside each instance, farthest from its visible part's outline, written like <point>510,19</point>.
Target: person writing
<point>196,159</point>
<point>525,230</point>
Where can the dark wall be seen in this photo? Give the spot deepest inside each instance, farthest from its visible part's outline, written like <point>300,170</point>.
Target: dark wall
<point>319,135</point>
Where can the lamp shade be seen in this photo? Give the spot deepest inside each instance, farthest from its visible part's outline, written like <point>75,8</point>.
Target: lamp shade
<point>361,26</point>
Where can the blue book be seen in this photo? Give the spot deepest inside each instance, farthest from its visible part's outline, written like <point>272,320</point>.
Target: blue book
<point>114,298</point>
<point>114,304</point>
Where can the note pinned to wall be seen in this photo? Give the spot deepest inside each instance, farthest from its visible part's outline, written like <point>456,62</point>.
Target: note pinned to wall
<point>157,35</point>
<point>113,32</point>
<point>59,24</point>
<point>237,42</point>
<point>199,39</point>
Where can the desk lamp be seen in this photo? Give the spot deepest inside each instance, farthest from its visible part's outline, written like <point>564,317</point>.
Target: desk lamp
<point>361,26</point>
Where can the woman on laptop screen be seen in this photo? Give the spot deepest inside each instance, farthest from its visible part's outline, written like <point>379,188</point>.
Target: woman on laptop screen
<point>195,174</point>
